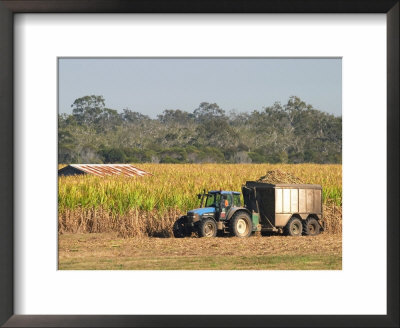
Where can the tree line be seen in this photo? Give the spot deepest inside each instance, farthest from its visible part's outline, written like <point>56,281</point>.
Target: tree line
<point>291,133</point>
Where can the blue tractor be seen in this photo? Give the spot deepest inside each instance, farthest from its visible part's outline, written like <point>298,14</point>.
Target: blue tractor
<point>219,212</point>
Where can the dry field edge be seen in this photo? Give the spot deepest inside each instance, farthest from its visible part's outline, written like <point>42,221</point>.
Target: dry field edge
<point>102,251</point>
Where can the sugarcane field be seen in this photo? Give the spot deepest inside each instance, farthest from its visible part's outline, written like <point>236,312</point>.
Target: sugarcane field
<point>122,222</point>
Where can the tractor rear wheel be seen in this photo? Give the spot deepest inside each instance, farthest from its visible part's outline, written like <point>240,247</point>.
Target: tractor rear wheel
<point>240,225</point>
<point>207,228</point>
<point>294,227</point>
<point>179,229</point>
<point>311,227</point>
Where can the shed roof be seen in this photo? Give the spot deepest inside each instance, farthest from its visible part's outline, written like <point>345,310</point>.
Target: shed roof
<point>108,169</point>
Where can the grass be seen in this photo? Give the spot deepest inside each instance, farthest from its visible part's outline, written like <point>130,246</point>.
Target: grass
<point>303,262</point>
<point>108,252</point>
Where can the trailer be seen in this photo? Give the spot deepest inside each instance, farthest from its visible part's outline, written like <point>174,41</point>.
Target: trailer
<point>293,209</point>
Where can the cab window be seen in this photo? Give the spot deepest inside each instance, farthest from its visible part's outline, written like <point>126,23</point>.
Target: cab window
<point>227,200</point>
<point>236,200</point>
<point>213,200</point>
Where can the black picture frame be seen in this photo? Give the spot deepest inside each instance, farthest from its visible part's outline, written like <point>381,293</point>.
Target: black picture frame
<point>7,10</point>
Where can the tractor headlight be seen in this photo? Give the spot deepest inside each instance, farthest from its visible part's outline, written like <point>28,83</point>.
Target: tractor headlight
<point>193,217</point>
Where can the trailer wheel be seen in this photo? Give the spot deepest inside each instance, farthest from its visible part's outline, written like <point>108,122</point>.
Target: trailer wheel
<point>207,228</point>
<point>294,227</point>
<point>179,229</point>
<point>240,225</point>
<point>311,227</point>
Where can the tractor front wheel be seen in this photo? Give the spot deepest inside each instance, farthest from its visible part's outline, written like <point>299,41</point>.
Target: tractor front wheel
<point>207,228</point>
<point>240,225</point>
<point>179,229</point>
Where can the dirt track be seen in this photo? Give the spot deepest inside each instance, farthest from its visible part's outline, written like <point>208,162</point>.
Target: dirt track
<point>106,251</point>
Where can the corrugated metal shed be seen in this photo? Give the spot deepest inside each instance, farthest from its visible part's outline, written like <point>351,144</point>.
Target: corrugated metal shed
<point>102,170</point>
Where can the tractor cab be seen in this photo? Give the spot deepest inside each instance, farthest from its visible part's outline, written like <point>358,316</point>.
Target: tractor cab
<point>217,201</point>
<point>214,204</point>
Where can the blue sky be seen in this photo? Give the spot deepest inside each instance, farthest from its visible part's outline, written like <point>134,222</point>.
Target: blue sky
<point>151,85</point>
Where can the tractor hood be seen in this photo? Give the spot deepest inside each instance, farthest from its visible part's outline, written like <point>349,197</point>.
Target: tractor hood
<point>203,210</point>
